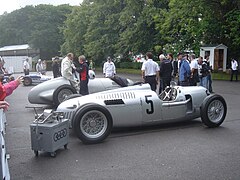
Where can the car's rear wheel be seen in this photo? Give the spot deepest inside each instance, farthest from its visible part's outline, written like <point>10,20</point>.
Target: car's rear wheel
<point>92,124</point>
<point>61,93</point>
<point>27,81</point>
<point>213,111</point>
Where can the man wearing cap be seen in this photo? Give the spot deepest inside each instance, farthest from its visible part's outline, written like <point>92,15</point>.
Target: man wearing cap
<point>150,71</point>
<point>184,70</point>
<point>109,69</point>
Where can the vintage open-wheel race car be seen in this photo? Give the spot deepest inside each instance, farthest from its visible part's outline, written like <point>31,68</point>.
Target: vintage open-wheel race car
<point>93,116</point>
<point>34,79</point>
<point>56,90</point>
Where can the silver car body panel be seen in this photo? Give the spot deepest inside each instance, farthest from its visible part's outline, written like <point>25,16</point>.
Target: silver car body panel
<point>43,93</point>
<point>139,105</point>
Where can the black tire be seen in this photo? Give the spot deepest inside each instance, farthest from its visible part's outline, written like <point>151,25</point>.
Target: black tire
<point>27,81</point>
<point>92,124</point>
<point>213,111</point>
<point>72,96</point>
<point>61,93</point>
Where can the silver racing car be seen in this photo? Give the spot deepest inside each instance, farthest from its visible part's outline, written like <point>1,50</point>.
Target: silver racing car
<point>55,91</point>
<point>93,116</point>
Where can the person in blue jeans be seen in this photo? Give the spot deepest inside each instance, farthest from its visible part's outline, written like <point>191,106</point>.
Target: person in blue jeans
<point>209,75</point>
<point>203,73</point>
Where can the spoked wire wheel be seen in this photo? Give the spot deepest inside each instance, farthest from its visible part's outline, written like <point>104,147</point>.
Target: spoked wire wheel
<point>213,111</point>
<point>92,123</point>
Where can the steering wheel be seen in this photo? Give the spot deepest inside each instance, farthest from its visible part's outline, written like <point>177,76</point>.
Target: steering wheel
<point>167,94</point>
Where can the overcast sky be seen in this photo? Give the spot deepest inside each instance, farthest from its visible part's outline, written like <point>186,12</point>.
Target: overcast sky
<point>11,5</point>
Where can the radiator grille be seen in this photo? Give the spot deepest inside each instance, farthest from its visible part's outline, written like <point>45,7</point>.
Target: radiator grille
<point>68,115</point>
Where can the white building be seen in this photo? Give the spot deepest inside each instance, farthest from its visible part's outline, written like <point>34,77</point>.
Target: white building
<point>217,56</point>
<point>15,55</point>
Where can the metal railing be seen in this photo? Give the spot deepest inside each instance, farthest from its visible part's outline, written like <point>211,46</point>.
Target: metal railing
<point>4,169</point>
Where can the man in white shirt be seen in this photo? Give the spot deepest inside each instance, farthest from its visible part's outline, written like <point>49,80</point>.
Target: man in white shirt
<point>39,66</point>
<point>109,69</point>
<point>150,71</point>
<point>234,67</point>
<point>26,67</point>
<point>194,71</point>
<point>66,67</point>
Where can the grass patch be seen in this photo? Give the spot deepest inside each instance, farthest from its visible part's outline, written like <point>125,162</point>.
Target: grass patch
<point>220,76</point>
<point>215,75</point>
<point>124,71</point>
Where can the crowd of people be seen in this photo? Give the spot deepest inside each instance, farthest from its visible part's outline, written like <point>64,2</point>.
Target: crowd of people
<point>186,70</point>
<point>75,70</point>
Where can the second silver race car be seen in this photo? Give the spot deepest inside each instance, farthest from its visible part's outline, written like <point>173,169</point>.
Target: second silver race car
<point>93,116</point>
<point>56,90</point>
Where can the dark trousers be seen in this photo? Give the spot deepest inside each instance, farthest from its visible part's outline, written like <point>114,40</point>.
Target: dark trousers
<point>210,83</point>
<point>26,71</point>
<point>234,72</point>
<point>84,87</point>
<point>184,83</point>
<point>152,81</point>
<point>194,79</point>
<point>165,82</point>
<point>160,86</point>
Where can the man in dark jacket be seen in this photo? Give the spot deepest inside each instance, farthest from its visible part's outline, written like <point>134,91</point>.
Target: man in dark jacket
<point>166,72</point>
<point>83,75</point>
<point>56,67</point>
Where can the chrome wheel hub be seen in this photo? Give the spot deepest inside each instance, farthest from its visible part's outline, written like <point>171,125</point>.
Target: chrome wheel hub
<point>93,124</point>
<point>215,111</point>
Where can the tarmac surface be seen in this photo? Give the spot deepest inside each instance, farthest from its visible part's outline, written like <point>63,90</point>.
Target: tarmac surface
<point>184,151</point>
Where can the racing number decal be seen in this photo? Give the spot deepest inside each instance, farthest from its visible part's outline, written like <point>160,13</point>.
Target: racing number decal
<point>151,110</point>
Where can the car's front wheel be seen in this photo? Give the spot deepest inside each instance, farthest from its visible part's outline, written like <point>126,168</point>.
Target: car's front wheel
<point>213,111</point>
<point>61,93</point>
<point>92,124</point>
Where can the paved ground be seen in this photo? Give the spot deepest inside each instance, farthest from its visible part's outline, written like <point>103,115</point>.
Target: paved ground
<point>172,151</point>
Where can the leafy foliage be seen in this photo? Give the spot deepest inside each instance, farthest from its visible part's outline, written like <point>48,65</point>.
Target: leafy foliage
<point>38,26</point>
<point>118,28</point>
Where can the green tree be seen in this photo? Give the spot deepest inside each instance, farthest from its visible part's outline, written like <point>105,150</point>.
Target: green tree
<point>46,23</point>
<point>38,26</point>
<point>232,32</point>
<point>103,29</point>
